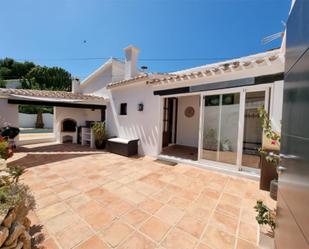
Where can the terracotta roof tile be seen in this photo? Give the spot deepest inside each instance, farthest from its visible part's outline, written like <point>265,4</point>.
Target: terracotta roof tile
<point>49,94</point>
<point>136,79</point>
<point>225,67</point>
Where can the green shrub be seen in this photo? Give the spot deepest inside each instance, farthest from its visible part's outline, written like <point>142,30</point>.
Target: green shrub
<point>99,131</point>
<point>14,195</point>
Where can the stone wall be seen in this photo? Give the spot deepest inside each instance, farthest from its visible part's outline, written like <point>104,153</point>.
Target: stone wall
<point>14,230</point>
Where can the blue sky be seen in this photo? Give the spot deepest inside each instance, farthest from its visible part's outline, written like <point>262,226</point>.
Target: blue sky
<point>53,32</point>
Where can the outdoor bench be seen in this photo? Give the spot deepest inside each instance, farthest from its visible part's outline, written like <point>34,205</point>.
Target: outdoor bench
<point>122,146</point>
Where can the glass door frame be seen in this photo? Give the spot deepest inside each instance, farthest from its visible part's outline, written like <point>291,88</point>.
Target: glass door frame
<point>242,101</point>
<point>267,106</point>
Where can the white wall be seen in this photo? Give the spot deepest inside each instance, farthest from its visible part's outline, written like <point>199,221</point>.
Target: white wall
<point>8,113</point>
<point>276,105</point>
<point>13,83</point>
<point>142,125</point>
<point>188,128</point>
<point>79,115</point>
<point>114,71</point>
<point>29,120</point>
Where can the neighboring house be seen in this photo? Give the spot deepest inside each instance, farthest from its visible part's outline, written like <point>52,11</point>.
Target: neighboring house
<point>13,84</point>
<point>205,115</point>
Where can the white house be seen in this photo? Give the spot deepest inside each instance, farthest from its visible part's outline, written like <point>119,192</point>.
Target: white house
<point>206,115</point>
<point>203,115</point>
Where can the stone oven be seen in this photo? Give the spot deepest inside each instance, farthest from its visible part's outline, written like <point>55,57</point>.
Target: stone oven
<point>68,132</point>
<point>68,125</point>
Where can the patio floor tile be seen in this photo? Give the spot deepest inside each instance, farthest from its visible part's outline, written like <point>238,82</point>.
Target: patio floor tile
<point>170,215</point>
<point>177,239</point>
<point>137,241</point>
<point>242,244</point>
<point>179,202</point>
<point>150,205</point>
<point>119,207</point>
<point>217,238</point>
<point>248,232</point>
<point>224,222</point>
<point>203,246</point>
<point>116,233</point>
<point>47,201</point>
<point>93,243</point>
<point>93,199</point>
<point>155,228</point>
<point>62,221</point>
<point>52,211</point>
<point>78,200</point>
<point>192,226</point>
<point>89,208</point>
<point>100,219</point>
<point>135,217</point>
<point>71,237</point>
<point>49,244</point>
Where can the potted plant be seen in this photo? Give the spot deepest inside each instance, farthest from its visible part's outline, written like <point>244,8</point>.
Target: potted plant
<point>266,219</point>
<point>15,203</point>
<point>269,155</point>
<point>100,134</point>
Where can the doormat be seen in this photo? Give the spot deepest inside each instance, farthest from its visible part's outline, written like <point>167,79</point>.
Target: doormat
<point>166,162</point>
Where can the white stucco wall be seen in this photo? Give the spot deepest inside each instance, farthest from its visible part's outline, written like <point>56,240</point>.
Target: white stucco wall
<point>142,125</point>
<point>8,113</point>
<point>188,128</point>
<point>79,115</point>
<point>111,72</point>
<point>29,120</point>
<point>13,83</point>
<point>276,105</point>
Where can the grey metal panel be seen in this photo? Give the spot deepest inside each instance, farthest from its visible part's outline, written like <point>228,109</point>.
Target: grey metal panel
<point>297,33</point>
<point>293,202</point>
<point>223,85</point>
<point>294,182</point>
<point>296,96</point>
<point>287,232</point>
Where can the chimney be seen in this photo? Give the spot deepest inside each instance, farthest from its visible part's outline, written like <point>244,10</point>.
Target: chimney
<point>75,85</point>
<point>131,54</point>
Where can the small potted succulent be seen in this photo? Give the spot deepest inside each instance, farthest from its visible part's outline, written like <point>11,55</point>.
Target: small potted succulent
<point>100,134</point>
<point>266,218</point>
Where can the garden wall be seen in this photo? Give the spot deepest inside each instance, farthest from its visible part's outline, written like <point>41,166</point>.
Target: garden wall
<point>28,120</point>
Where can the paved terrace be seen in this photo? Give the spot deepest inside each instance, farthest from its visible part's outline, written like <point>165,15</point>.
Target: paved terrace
<point>97,200</point>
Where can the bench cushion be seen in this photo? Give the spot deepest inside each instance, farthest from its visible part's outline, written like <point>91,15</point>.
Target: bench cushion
<point>119,140</point>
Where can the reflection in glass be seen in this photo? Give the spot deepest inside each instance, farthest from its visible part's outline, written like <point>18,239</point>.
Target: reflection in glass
<point>221,117</point>
<point>253,131</point>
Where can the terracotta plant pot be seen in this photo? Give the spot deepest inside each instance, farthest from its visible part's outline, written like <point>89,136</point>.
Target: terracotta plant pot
<point>100,144</point>
<point>266,239</point>
<point>273,189</point>
<point>268,173</point>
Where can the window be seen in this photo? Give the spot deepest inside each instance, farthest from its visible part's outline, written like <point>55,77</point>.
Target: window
<point>123,109</point>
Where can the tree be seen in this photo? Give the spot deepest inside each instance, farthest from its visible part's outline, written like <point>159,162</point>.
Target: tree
<point>45,78</point>
<point>2,83</point>
<point>11,69</point>
<point>35,77</point>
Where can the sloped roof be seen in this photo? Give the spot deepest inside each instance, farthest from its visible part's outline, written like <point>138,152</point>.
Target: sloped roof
<point>61,95</point>
<point>136,79</point>
<point>242,63</point>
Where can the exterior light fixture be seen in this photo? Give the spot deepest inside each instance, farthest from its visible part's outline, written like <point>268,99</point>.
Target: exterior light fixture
<point>140,107</point>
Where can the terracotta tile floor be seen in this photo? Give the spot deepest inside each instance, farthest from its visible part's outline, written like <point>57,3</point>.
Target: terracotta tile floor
<point>97,200</point>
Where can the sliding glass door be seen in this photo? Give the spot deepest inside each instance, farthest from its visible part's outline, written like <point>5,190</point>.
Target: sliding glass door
<point>253,131</point>
<point>231,132</point>
<point>220,133</point>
